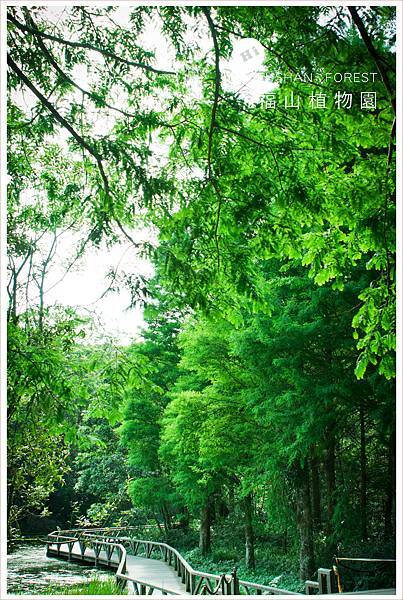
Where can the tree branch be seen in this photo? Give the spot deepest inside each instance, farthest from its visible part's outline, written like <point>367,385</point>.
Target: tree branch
<point>260,144</point>
<point>213,125</point>
<point>60,119</point>
<point>87,46</point>
<point>374,54</point>
<point>41,283</point>
<point>213,122</point>
<point>83,143</point>
<point>93,96</point>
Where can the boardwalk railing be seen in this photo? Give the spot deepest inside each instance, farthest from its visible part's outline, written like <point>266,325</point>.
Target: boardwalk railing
<point>109,547</point>
<point>198,582</point>
<point>90,551</point>
<point>116,547</point>
<point>115,553</point>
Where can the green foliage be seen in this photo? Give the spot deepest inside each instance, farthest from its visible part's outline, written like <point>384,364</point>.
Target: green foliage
<point>44,399</point>
<point>94,587</point>
<point>255,402</point>
<point>150,487</point>
<point>264,376</point>
<point>315,186</point>
<point>275,570</point>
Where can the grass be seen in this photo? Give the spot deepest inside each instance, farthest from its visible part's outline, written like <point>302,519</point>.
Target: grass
<point>93,587</point>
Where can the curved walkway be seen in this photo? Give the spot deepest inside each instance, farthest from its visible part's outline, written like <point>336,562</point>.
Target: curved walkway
<point>168,573</point>
<point>148,567</point>
<point>155,573</point>
<point>150,571</point>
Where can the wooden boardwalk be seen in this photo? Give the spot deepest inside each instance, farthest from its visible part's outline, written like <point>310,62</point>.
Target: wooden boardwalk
<point>152,572</point>
<point>155,568</point>
<point>156,573</point>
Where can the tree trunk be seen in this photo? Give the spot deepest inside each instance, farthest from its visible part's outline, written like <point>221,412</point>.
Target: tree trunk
<point>249,537</point>
<point>184,519</point>
<point>205,523</point>
<point>304,522</point>
<point>363,475</point>
<point>316,501</point>
<point>285,540</point>
<point>158,523</point>
<point>390,487</point>
<point>330,472</point>
<point>222,508</point>
<point>231,499</point>
<point>166,517</point>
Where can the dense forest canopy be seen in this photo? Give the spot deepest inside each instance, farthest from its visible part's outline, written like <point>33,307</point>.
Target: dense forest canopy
<point>260,398</point>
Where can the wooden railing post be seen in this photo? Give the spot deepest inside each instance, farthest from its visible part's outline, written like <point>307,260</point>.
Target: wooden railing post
<point>327,581</point>
<point>235,583</point>
<point>192,583</point>
<point>311,587</point>
<point>82,549</point>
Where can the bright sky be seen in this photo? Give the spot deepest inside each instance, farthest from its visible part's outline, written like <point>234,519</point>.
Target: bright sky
<point>84,285</point>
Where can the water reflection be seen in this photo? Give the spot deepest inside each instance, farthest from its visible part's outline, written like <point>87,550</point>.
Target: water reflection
<point>30,571</point>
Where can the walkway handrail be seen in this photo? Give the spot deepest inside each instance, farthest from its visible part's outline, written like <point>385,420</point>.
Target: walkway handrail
<point>196,582</point>
<point>57,539</point>
<point>115,529</point>
<point>187,572</point>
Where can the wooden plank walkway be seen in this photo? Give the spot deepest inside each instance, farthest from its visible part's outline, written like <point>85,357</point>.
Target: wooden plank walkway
<point>155,572</point>
<point>149,570</point>
<point>144,575</point>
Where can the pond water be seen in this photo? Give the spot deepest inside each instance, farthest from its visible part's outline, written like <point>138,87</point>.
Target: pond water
<point>30,571</point>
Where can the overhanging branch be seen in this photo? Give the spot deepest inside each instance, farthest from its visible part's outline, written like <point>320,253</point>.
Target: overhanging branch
<point>213,124</point>
<point>92,95</point>
<point>217,82</point>
<point>87,46</point>
<point>374,54</point>
<point>81,141</point>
